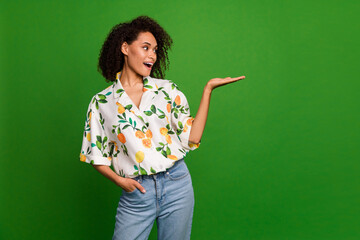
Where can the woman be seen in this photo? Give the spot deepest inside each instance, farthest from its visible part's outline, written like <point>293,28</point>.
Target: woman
<point>142,127</point>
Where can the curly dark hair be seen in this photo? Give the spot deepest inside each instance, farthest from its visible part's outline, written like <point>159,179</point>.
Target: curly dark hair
<point>111,59</point>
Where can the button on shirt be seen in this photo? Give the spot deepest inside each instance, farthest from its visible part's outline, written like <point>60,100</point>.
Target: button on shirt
<point>135,141</point>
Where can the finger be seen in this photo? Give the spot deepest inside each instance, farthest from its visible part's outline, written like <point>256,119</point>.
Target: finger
<point>141,188</point>
<point>230,80</point>
<point>239,78</point>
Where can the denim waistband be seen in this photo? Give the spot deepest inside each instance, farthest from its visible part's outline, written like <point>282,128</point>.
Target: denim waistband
<point>177,162</point>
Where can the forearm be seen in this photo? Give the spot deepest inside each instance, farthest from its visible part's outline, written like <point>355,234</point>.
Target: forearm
<point>109,173</point>
<point>199,122</point>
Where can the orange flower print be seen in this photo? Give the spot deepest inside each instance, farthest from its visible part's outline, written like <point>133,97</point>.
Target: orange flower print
<point>139,134</point>
<point>156,86</point>
<point>109,158</point>
<point>146,142</point>
<point>144,89</point>
<point>168,107</point>
<point>121,138</point>
<point>168,139</point>
<point>139,156</point>
<point>163,131</point>
<point>190,121</point>
<point>132,111</point>
<point>82,157</point>
<point>173,157</point>
<point>177,100</point>
<point>167,119</point>
<point>88,137</point>
<point>185,128</point>
<point>148,133</point>
<point>121,108</point>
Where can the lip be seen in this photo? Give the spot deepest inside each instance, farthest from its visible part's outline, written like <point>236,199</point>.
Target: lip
<point>147,66</point>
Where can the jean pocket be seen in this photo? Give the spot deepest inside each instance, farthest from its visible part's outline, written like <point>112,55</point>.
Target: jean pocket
<point>130,192</point>
<point>179,172</point>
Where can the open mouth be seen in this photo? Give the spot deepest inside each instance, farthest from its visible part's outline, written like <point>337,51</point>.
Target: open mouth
<point>148,65</point>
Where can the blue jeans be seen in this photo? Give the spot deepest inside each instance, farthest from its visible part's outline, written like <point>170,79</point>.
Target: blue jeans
<point>169,199</point>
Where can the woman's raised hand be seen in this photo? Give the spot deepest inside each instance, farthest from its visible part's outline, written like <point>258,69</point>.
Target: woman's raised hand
<point>217,82</point>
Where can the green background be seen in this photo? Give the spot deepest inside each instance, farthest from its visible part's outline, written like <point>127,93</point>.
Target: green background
<point>279,157</point>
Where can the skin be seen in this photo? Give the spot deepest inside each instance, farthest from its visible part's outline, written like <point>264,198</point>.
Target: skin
<point>135,55</point>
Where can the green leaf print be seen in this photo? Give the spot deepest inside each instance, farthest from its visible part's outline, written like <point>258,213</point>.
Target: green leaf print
<point>145,81</point>
<point>128,107</point>
<point>98,144</point>
<point>175,115</point>
<point>166,94</point>
<point>97,105</point>
<point>99,138</point>
<point>180,124</point>
<point>158,149</point>
<point>107,94</point>
<point>126,126</point>
<point>152,170</point>
<point>102,101</point>
<point>143,171</point>
<point>136,168</point>
<point>120,90</point>
<point>148,113</point>
<point>101,96</point>
<point>148,86</point>
<point>92,161</point>
<point>160,111</point>
<point>93,144</point>
<point>153,108</point>
<point>164,153</point>
<point>168,151</point>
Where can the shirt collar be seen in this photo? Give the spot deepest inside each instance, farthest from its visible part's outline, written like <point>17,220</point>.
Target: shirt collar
<point>118,90</point>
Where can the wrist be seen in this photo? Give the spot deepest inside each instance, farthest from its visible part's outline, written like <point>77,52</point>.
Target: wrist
<point>208,88</point>
<point>119,180</point>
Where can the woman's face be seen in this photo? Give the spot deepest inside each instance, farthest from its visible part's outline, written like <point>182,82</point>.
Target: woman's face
<point>142,50</point>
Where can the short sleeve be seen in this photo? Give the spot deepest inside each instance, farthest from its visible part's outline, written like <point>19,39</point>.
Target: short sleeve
<point>95,147</point>
<point>181,119</point>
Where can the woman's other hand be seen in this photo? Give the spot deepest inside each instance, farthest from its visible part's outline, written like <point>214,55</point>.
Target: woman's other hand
<point>130,185</point>
<point>217,82</point>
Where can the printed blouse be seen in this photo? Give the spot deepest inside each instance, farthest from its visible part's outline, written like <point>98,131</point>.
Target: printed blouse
<point>135,141</point>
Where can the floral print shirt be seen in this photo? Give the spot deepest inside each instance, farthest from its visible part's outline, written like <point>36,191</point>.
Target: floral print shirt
<point>136,141</point>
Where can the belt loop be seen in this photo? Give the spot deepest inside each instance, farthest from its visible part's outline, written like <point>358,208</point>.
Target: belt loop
<point>139,179</point>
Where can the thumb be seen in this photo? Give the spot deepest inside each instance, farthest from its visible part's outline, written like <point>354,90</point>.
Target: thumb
<point>141,188</point>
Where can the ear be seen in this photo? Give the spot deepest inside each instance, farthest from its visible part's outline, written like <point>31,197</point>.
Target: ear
<point>125,48</point>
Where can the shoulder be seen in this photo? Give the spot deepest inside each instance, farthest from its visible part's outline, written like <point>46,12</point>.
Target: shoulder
<point>101,97</point>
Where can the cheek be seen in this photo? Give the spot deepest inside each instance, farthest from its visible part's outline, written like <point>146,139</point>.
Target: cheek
<point>136,57</point>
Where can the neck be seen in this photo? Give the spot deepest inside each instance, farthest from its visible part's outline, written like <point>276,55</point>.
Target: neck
<point>130,78</point>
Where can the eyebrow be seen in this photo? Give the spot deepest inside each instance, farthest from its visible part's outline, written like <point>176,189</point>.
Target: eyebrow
<point>149,44</point>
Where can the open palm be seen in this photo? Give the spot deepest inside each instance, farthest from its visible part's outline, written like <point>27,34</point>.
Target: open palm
<point>217,82</point>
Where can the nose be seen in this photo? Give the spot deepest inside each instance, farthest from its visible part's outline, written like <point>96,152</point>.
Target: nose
<point>152,55</point>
